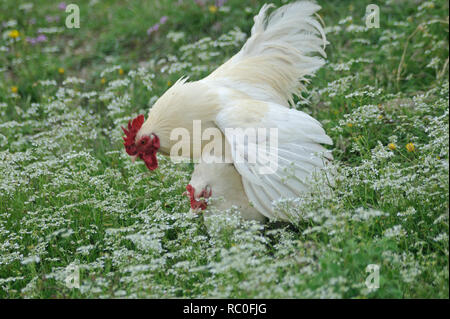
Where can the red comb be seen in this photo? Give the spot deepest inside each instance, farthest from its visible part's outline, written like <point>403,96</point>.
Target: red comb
<point>130,134</point>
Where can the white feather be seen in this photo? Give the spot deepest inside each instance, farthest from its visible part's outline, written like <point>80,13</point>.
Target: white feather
<point>281,53</point>
<point>298,153</point>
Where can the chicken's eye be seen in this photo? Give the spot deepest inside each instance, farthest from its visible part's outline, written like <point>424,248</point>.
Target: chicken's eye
<point>142,142</point>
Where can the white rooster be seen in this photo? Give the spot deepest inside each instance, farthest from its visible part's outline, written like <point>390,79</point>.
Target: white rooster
<point>252,90</point>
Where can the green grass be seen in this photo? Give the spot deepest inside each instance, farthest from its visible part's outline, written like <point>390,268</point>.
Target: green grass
<point>69,194</point>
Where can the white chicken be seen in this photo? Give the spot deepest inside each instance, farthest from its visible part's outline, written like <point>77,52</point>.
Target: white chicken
<point>252,90</point>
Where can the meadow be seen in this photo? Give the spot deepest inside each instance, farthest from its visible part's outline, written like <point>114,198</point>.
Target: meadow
<point>70,198</point>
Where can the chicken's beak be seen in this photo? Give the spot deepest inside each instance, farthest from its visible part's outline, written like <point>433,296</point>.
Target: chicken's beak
<point>133,158</point>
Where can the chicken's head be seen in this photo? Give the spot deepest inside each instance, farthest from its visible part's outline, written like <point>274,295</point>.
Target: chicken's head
<point>145,147</point>
<point>198,202</point>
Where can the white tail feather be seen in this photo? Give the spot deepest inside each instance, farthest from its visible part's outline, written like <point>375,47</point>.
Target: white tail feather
<point>280,54</point>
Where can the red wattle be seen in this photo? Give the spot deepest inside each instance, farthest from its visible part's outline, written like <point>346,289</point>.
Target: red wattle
<point>150,160</point>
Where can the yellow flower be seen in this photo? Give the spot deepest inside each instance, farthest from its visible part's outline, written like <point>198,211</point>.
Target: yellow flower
<point>410,147</point>
<point>61,70</point>
<point>14,89</point>
<point>350,125</point>
<point>380,117</point>
<point>392,146</point>
<point>121,72</point>
<point>103,81</point>
<point>169,83</point>
<point>212,9</point>
<point>14,34</point>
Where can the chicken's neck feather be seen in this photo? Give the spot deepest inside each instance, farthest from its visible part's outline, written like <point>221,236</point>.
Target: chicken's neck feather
<point>178,107</point>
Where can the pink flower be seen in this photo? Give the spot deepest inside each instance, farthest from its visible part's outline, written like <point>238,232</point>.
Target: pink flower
<point>62,6</point>
<point>41,38</point>
<point>153,29</point>
<point>220,3</point>
<point>156,26</point>
<point>163,19</point>
<point>32,41</point>
<point>38,39</point>
<point>51,18</point>
<point>201,3</point>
